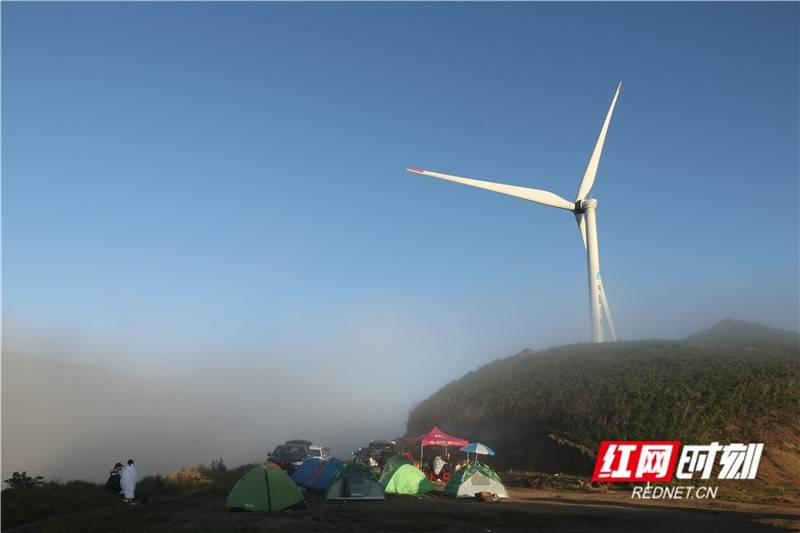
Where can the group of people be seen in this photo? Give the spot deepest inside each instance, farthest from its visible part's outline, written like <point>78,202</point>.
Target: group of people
<point>439,466</point>
<point>436,468</point>
<point>122,481</point>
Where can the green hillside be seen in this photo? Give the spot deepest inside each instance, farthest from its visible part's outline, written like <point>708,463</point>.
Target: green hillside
<point>548,410</point>
<point>737,333</point>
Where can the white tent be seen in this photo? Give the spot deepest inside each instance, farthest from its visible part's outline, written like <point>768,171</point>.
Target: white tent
<point>475,478</point>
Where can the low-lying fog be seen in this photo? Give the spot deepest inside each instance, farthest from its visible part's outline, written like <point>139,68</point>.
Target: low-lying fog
<point>67,414</point>
<point>75,402</point>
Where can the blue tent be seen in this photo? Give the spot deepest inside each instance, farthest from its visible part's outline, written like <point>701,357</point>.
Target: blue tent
<point>316,474</point>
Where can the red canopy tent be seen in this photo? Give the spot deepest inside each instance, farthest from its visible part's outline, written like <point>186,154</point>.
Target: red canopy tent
<point>436,437</point>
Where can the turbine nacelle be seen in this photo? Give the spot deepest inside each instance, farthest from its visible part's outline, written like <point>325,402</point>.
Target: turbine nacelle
<point>582,205</point>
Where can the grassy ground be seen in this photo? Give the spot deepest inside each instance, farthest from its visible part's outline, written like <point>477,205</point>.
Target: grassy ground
<point>83,506</point>
<point>538,503</point>
<point>51,500</point>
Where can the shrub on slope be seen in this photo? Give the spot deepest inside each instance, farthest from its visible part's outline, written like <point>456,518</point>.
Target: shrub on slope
<point>582,394</point>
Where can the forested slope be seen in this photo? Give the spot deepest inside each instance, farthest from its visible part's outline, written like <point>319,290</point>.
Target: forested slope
<point>548,410</point>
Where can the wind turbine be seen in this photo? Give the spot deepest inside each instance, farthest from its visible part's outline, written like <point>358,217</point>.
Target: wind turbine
<point>584,210</point>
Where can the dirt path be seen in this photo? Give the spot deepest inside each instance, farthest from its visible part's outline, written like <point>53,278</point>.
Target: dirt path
<point>533,510</point>
<point>526,510</point>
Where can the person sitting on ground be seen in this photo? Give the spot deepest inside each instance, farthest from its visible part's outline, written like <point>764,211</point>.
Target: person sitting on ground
<point>113,483</point>
<point>128,482</point>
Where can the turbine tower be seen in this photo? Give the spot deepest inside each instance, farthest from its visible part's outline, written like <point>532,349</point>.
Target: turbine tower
<point>584,210</point>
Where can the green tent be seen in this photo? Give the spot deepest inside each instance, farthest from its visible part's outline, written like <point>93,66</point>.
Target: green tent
<point>354,482</point>
<point>401,477</point>
<point>473,478</point>
<point>264,489</point>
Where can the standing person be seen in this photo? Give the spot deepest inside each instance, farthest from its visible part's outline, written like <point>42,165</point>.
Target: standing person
<point>128,481</point>
<point>438,464</point>
<point>113,483</point>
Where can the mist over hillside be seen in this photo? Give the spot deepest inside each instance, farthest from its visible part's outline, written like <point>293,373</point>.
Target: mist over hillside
<point>64,419</point>
<point>741,334</point>
<point>74,421</point>
<point>549,409</point>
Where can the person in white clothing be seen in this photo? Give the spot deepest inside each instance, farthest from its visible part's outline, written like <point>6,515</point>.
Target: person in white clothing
<point>438,464</point>
<point>128,481</point>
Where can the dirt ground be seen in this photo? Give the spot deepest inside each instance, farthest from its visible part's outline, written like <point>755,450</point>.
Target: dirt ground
<point>525,510</point>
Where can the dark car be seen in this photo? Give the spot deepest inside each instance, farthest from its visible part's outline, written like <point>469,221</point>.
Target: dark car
<point>361,456</point>
<point>290,455</point>
<point>380,450</point>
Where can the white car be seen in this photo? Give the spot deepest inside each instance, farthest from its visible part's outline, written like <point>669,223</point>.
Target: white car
<point>319,451</point>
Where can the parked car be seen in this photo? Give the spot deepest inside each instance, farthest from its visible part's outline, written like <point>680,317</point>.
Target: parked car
<point>290,455</point>
<point>380,450</point>
<point>322,452</point>
<point>294,452</point>
<point>361,456</point>
<point>299,441</point>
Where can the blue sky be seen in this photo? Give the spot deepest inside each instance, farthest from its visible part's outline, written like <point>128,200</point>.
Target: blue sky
<point>238,168</point>
<point>223,175</point>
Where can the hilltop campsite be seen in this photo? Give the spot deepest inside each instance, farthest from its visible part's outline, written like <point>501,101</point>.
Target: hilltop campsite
<point>400,266</point>
<point>539,477</point>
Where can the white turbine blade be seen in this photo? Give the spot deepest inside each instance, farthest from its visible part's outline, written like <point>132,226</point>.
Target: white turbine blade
<point>580,219</point>
<point>594,161</point>
<point>607,310</point>
<point>533,195</point>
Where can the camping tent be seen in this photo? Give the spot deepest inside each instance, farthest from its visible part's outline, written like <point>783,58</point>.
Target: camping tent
<point>264,489</point>
<point>354,482</point>
<point>475,477</point>
<point>316,474</point>
<point>436,437</point>
<point>401,477</point>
